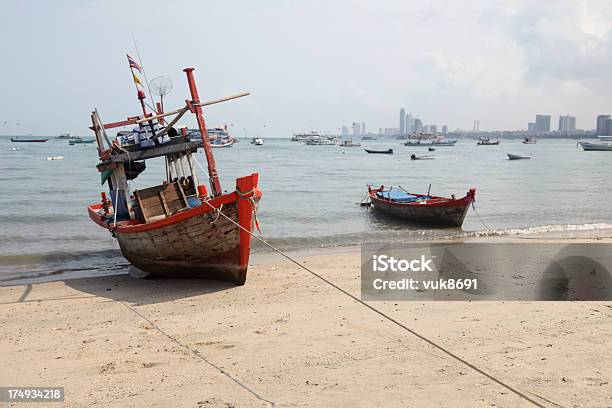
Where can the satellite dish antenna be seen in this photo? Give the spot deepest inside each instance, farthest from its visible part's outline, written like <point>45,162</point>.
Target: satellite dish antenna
<point>161,86</point>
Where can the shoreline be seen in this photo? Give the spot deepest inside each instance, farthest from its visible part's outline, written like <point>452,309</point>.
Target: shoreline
<point>287,337</point>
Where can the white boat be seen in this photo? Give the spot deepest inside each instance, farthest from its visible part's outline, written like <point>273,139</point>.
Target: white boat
<point>529,140</point>
<point>257,141</point>
<point>592,147</point>
<point>55,158</point>
<point>349,143</point>
<point>517,157</point>
<point>304,136</point>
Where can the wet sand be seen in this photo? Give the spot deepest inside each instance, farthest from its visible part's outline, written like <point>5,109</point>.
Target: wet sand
<point>289,339</point>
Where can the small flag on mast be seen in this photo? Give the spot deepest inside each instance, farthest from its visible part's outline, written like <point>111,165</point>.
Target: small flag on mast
<point>137,80</point>
<point>134,64</point>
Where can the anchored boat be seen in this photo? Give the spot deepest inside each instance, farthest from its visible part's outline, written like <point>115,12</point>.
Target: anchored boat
<point>388,151</point>
<point>517,157</point>
<point>176,228</point>
<point>486,141</point>
<point>421,208</point>
<point>28,140</point>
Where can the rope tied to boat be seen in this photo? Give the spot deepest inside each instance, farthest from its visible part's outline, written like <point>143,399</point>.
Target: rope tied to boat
<point>422,337</point>
<point>250,196</point>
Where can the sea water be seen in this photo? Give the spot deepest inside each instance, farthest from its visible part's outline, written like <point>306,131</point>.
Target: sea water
<point>311,195</point>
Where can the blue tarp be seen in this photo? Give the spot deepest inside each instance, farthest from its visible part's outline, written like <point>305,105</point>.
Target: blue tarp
<point>399,196</point>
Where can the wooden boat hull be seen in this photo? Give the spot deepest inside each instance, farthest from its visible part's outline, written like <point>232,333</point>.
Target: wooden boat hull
<point>198,242</point>
<point>441,211</point>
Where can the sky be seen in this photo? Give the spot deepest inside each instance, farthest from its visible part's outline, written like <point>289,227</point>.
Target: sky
<point>310,65</point>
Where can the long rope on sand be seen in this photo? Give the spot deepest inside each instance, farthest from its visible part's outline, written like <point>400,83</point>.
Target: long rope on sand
<point>392,320</point>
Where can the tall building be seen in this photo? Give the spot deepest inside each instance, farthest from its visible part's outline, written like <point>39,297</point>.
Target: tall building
<point>409,123</point>
<point>433,128</point>
<point>542,123</point>
<point>602,125</point>
<point>418,125</point>
<point>380,131</point>
<point>345,131</point>
<point>402,121</point>
<point>363,128</point>
<point>356,129</point>
<point>531,128</point>
<point>444,130</point>
<point>567,123</point>
<point>476,125</point>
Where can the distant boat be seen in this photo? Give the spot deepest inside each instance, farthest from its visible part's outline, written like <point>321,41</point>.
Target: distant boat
<point>222,143</point>
<point>349,143</point>
<point>28,140</point>
<point>388,151</point>
<point>369,138</point>
<point>320,141</point>
<point>257,141</point>
<point>425,157</point>
<point>596,147</point>
<point>55,158</point>
<point>430,142</point>
<point>63,136</point>
<point>421,208</point>
<point>485,141</point>
<point>304,136</point>
<point>517,157</point>
<point>431,149</point>
<point>80,140</point>
<point>529,140</point>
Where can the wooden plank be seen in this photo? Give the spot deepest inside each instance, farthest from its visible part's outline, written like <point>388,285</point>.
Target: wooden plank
<point>163,201</point>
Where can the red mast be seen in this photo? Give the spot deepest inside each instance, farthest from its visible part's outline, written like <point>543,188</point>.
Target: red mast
<point>215,186</point>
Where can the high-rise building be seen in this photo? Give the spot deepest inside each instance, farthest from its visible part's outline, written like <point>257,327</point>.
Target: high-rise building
<point>567,123</point>
<point>531,128</point>
<point>418,125</point>
<point>409,123</point>
<point>380,131</point>
<point>444,130</point>
<point>602,125</point>
<point>363,128</point>
<point>476,127</point>
<point>345,131</point>
<point>542,123</point>
<point>402,121</point>
<point>356,129</point>
<point>433,128</point>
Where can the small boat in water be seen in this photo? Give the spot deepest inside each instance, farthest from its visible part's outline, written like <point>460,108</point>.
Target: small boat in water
<point>28,139</point>
<point>222,143</point>
<point>421,208</point>
<point>349,143</point>
<point>55,158</point>
<point>79,140</point>
<point>431,149</point>
<point>517,157</point>
<point>529,140</point>
<point>596,147</point>
<point>429,140</point>
<point>257,141</point>
<point>486,141</point>
<point>176,228</point>
<point>388,151</point>
<point>423,157</point>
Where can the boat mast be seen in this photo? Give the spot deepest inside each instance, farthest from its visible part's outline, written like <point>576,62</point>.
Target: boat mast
<point>215,185</point>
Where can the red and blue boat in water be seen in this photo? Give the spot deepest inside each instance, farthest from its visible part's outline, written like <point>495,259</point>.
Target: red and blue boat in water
<point>421,208</point>
<point>178,228</point>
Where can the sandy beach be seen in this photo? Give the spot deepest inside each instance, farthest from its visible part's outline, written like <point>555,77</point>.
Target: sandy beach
<point>286,338</point>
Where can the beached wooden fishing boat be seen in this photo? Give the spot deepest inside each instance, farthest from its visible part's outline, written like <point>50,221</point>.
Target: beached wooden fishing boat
<point>421,208</point>
<point>28,140</point>
<point>176,228</point>
<point>388,151</point>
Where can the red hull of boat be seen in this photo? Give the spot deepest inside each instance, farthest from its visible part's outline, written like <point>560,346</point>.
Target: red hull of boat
<point>437,210</point>
<point>198,242</point>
